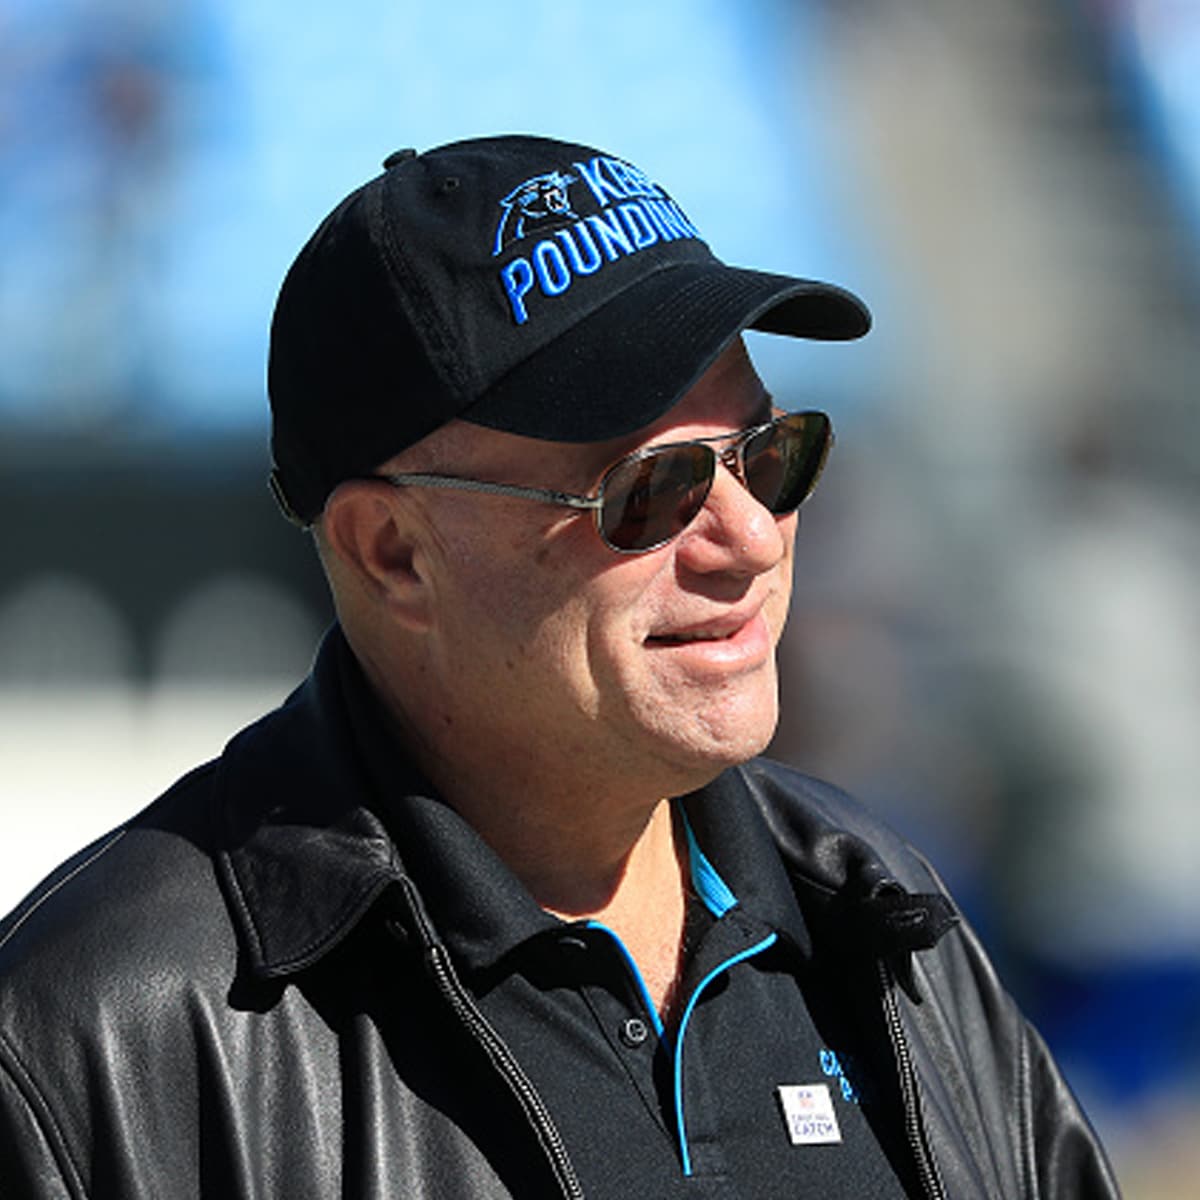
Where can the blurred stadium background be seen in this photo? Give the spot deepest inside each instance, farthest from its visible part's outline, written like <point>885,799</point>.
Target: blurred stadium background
<point>996,638</point>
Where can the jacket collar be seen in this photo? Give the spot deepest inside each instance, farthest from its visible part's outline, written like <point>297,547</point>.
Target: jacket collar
<point>302,854</point>
<point>855,878</point>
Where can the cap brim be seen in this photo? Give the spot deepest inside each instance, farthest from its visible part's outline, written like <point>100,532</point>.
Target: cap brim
<point>623,366</point>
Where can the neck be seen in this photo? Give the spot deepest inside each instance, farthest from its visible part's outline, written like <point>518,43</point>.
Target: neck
<point>642,898</point>
<point>580,853</point>
<point>615,860</point>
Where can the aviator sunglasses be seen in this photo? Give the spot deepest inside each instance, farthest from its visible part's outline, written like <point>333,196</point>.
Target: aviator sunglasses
<point>651,496</point>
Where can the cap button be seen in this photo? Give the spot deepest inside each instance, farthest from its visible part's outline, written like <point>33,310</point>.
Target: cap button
<point>398,156</point>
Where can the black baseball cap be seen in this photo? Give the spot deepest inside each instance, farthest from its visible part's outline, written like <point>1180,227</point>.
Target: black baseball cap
<point>529,285</point>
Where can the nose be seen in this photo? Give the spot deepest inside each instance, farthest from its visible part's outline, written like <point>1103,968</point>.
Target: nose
<point>734,533</point>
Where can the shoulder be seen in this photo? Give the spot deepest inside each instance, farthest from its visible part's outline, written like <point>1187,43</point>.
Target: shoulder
<point>112,974</point>
<point>136,906</point>
<point>150,891</point>
<point>107,971</point>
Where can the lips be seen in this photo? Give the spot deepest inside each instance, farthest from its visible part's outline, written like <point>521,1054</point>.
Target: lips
<point>709,631</point>
<point>715,651</point>
<point>683,639</point>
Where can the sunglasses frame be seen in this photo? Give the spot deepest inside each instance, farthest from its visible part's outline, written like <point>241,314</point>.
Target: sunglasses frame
<point>733,456</point>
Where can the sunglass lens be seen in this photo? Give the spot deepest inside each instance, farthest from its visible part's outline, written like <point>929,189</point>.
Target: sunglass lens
<point>784,461</point>
<point>648,500</point>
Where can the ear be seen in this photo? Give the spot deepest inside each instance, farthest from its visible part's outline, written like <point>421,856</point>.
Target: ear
<point>377,544</point>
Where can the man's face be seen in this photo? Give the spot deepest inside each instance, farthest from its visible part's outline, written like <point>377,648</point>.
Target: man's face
<point>554,652</point>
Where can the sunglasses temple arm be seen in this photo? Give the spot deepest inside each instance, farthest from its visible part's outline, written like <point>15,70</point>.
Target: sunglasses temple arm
<point>450,482</point>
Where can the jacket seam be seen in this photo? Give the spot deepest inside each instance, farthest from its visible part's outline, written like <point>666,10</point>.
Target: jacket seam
<point>67,878</point>
<point>43,1116</point>
<point>1025,1092</point>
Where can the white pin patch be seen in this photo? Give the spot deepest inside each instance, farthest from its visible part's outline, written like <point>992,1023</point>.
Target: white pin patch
<point>808,1111</point>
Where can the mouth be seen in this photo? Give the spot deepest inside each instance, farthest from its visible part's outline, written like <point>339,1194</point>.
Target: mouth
<point>715,649</point>
<point>724,629</point>
<point>687,638</point>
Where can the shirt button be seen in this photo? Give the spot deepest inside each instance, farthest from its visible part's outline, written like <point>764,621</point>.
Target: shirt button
<point>634,1032</point>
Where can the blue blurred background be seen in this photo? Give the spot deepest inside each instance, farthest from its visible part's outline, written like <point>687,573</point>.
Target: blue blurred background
<point>996,636</point>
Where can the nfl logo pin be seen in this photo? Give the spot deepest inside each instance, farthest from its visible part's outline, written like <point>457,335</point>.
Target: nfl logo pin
<point>808,1113</point>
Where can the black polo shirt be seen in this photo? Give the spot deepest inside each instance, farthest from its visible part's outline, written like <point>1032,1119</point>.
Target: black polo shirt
<point>747,1096</point>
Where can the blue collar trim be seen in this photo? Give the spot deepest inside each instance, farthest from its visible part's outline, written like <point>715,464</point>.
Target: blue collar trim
<point>710,887</point>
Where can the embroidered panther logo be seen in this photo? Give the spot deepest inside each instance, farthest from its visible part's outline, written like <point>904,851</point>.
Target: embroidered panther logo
<point>542,200</point>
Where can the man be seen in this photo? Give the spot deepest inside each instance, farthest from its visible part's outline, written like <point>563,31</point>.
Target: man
<point>501,902</point>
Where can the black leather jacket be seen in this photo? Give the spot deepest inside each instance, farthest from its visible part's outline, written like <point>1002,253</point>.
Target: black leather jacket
<point>239,994</point>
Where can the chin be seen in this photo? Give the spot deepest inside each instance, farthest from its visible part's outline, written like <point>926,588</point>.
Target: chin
<point>728,735</point>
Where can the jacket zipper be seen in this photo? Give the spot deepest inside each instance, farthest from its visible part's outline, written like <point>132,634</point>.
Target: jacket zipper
<point>468,1013</point>
<point>913,1128</point>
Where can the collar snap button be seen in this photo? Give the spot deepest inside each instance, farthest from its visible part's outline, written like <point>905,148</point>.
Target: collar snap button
<point>634,1032</point>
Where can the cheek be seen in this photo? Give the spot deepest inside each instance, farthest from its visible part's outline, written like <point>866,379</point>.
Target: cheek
<point>635,597</point>
<point>513,603</point>
<point>547,608</point>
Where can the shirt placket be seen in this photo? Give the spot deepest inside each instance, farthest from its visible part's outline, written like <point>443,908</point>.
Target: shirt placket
<point>667,1066</point>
